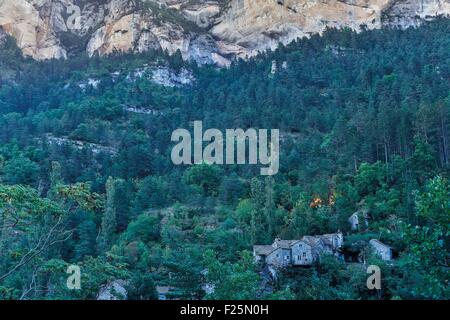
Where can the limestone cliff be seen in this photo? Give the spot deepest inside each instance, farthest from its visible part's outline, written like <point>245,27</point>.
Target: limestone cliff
<point>33,31</point>
<point>208,31</point>
<point>253,25</point>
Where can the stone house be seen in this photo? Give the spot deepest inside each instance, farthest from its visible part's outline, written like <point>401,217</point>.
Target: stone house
<point>207,287</point>
<point>302,252</point>
<point>382,250</point>
<point>358,218</point>
<point>164,292</point>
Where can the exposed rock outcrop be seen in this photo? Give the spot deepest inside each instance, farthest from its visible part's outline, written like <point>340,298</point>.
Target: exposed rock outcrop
<point>3,37</point>
<point>408,13</point>
<point>207,31</point>
<point>115,290</point>
<point>33,31</point>
<point>254,25</point>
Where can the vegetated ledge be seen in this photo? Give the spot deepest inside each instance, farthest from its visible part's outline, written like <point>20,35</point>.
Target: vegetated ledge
<point>160,75</point>
<point>80,145</point>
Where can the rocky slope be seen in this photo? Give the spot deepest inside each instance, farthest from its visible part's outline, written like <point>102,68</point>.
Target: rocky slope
<point>208,31</point>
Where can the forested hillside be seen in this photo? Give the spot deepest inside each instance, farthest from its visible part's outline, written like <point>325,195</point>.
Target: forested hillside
<point>86,177</point>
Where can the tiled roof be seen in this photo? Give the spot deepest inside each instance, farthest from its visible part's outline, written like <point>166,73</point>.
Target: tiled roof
<point>327,238</point>
<point>264,250</point>
<point>378,242</point>
<point>364,214</point>
<point>311,240</point>
<point>284,244</point>
<point>163,289</point>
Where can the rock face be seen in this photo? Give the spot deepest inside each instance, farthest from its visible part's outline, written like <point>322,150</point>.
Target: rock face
<point>207,31</point>
<point>33,31</point>
<point>3,37</point>
<point>115,290</point>
<point>252,25</point>
<point>408,13</point>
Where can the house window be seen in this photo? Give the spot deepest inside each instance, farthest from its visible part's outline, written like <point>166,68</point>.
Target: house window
<point>286,257</point>
<point>304,254</point>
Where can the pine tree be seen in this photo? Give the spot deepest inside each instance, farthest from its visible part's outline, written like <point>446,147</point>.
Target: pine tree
<point>423,160</point>
<point>257,224</point>
<point>269,209</point>
<point>109,221</point>
<point>55,180</point>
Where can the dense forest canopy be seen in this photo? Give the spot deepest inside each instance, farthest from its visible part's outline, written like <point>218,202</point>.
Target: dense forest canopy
<point>86,177</point>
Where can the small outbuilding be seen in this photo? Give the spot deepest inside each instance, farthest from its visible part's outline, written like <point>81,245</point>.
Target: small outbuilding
<point>358,219</point>
<point>382,250</point>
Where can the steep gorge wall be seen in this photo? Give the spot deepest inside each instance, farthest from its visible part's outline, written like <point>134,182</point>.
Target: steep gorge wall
<point>208,31</point>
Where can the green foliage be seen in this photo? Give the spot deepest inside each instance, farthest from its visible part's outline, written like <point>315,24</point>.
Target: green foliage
<point>98,272</point>
<point>424,264</point>
<point>434,203</point>
<point>142,287</point>
<point>244,211</point>
<point>207,177</point>
<point>80,194</point>
<point>109,220</point>
<point>236,281</point>
<point>22,202</point>
<point>423,160</point>
<point>153,192</point>
<point>33,229</point>
<point>145,228</point>
<point>369,178</point>
<point>364,120</point>
<point>20,170</point>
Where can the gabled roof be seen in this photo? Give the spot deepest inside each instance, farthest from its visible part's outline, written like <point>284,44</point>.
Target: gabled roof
<point>164,289</point>
<point>264,250</point>
<point>284,244</point>
<point>354,215</point>
<point>378,242</point>
<point>326,239</point>
<point>364,212</point>
<point>311,240</point>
